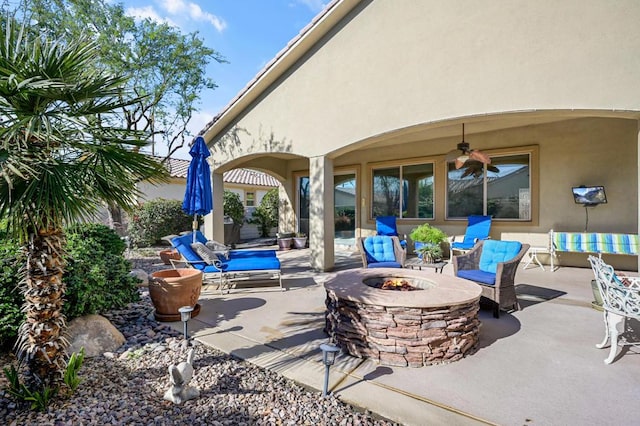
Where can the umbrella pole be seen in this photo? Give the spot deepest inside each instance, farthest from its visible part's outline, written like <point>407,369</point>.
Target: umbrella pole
<point>194,226</point>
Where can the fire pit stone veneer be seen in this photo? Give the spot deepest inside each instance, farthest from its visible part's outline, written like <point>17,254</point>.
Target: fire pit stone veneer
<point>436,324</point>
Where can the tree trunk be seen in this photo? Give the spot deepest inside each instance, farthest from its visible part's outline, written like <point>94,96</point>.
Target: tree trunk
<point>116,217</point>
<point>42,343</point>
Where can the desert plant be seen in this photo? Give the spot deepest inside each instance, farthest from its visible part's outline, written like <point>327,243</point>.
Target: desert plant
<point>64,151</point>
<point>233,207</point>
<point>155,219</point>
<point>266,214</point>
<point>12,262</point>
<point>97,275</point>
<point>426,233</point>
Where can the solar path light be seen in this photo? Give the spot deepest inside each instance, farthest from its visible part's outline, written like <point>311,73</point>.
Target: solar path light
<point>185,316</point>
<point>328,358</point>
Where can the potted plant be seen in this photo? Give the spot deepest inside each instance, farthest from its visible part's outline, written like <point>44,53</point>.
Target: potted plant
<point>285,239</point>
<point>300,240</point>
<point>427,241</point>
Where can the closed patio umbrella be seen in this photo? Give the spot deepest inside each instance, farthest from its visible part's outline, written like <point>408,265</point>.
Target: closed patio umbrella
<point>198,196</point>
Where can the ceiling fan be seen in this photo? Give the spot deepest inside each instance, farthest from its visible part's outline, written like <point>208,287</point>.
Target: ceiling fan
<point>466,153</point>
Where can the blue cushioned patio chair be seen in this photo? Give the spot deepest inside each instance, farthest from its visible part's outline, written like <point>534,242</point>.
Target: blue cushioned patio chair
<point>493,264</point>
<point>381,251</point>
<point>234,265</point>
<point>478,228</point>
<point>386,225</point>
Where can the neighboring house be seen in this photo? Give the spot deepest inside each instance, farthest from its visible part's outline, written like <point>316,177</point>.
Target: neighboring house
<point>250,185</point>
<point>379,91</point>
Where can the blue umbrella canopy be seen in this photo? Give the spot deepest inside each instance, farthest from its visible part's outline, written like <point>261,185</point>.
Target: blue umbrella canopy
<point>198,197</point>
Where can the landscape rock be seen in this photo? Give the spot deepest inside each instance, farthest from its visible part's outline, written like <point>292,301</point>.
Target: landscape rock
<point>95,333</point>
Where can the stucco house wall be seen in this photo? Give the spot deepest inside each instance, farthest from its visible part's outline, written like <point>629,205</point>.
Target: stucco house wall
<point>376,81</point>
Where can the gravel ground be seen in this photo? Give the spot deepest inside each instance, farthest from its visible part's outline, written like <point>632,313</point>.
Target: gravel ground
<point>127,387</point>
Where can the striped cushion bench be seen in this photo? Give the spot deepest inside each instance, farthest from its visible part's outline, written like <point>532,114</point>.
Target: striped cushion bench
<point>594,242</point>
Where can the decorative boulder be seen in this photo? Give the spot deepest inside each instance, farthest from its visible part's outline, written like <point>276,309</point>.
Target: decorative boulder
<point>95,333</point>
<point>141,275</point>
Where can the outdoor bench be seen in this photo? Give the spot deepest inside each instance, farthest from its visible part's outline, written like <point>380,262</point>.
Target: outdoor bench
<point>593,242</point>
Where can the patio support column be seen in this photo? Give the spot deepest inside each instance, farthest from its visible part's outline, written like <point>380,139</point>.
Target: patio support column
<point>286,214</point>
<point>321,238</point>
<point>638,173</point>
<point>214,221</point>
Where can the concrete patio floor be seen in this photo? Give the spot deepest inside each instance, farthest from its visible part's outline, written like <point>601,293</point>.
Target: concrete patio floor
<point>536,366</point>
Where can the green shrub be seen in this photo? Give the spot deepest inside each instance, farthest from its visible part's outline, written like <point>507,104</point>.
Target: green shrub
<point>155,219</point>
<point>97,274</point>
<point>266,214</point>
<point>233,207</point>
<point>12,261</point>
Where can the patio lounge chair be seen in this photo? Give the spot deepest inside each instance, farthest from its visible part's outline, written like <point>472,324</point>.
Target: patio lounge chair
<point>493,265</point>
<point>381,251</point>
<point>230,266</point>
<point>620,300</point>
<point>478,228</point>
<point>386,225</point>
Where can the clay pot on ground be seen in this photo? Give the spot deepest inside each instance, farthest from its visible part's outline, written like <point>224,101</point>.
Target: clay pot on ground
<point>285,243</point>
<point>167,255</point>
<point>170,289</point>
<point>300,242</point>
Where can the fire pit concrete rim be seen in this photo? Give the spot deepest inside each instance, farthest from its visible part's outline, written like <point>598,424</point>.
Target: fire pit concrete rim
<point>446,290</point>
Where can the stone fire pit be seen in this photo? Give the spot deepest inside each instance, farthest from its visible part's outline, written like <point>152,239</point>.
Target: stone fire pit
<point>437,323</point>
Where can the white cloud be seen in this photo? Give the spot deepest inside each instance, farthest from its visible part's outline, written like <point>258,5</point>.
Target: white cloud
<point>315,5</point>
<point>140,13</point>
<point>193,11</point>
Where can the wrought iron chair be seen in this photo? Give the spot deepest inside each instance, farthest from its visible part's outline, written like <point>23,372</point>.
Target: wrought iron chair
<point>620,300</point>
<point>493,265</point>
<point>478,228</point>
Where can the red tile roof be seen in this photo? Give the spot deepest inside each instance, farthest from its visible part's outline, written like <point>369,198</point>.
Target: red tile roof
<point>178,169</point>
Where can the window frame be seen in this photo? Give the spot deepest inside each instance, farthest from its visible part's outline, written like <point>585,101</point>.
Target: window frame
<point>400,164</point>
<point>533,152</point>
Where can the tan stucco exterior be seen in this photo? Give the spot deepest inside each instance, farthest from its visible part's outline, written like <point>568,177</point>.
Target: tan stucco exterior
<point>375,81</point>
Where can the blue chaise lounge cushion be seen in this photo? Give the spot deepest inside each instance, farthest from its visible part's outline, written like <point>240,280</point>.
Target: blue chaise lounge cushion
<point>493,252</point>
<point>238,260</point>
<point>380,253</point>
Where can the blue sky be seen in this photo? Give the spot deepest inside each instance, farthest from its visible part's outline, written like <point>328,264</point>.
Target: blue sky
<point>247,33</point>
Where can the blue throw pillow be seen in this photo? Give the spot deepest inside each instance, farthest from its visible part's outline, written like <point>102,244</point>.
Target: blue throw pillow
<point>495,251</point>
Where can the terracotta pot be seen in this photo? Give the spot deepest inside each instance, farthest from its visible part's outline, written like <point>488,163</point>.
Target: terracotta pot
<point>170,289</point>
<point>167,255</point>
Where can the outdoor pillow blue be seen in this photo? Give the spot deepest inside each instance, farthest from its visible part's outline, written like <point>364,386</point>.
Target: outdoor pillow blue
<point>495,251</point>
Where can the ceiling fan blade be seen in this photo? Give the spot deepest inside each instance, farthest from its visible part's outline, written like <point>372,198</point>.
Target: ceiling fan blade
<point>461,160</point>
<point>493,169</point>
<point>479,156</point>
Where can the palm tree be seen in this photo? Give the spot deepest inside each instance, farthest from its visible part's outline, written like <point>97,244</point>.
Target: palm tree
<point>63,151</point>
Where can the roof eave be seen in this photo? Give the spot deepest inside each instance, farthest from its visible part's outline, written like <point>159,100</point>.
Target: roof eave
<point>287,57</point>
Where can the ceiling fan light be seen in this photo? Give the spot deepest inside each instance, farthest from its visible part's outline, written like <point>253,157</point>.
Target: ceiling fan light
<point>461,160</point>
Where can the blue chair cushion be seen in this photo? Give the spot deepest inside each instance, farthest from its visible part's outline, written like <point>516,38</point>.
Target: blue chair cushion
<point>494,252</point>
<point>478,276</point>
<point>384,265</point>
<point>386,225</point>
<point>379,249</point>
<point>244,254</point>
<point>261,263</point>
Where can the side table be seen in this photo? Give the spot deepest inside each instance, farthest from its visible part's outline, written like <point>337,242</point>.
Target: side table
<point>417,263</point>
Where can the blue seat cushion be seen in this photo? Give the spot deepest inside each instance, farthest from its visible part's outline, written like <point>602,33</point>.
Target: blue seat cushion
<point>379,249</point>
<point>244,254</point>
<point>261,263</point>
<point>478,276</point>
<point>495,251</point>
<point>384,265</point>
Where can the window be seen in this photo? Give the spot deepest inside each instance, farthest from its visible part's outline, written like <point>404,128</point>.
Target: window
<point>501,189</point>
<point>404,191</point>
<point>250,199</point>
